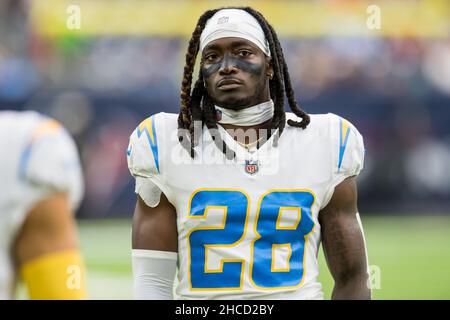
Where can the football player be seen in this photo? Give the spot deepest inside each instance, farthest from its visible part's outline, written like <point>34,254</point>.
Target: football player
<point>237,194</point>
<point>41,184</point>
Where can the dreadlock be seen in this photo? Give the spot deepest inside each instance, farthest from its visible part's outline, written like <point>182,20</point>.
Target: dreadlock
<point>198,107</point>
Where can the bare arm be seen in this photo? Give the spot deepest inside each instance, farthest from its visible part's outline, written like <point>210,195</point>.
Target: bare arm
<point>46,246</point>
<point>48,228</point>
<point>155,228</point>
<point>343,243</point>
<point>154,243</point>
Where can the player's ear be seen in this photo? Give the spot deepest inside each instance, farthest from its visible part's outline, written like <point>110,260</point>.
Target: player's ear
<point>269,67</point>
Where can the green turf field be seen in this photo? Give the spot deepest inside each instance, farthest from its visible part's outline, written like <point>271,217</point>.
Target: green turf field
<point>412,254</point>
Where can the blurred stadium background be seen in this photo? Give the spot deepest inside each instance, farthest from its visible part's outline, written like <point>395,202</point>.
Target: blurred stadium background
<point>125,62</point>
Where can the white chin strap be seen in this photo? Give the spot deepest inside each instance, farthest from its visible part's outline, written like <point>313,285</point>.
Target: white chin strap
<point>246,117</point>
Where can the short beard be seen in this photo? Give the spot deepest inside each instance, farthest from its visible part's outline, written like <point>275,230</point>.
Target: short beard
<point>240,104</point>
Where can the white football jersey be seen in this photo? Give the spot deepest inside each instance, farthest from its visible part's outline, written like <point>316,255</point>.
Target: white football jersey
<point>38,158</point>
<point>247,228</point>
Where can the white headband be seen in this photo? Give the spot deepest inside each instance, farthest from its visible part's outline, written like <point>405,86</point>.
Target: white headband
<point>234,23</point>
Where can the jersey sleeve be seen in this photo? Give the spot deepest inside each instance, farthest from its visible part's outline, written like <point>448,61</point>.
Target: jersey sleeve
<point>350,151</point>
<point>143,156</point>
<point>52,163</point>
<point>347,152</point>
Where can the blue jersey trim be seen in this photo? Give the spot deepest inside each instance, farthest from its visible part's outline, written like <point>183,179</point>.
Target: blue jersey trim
<point>344,130</point>
<point>148,126</point>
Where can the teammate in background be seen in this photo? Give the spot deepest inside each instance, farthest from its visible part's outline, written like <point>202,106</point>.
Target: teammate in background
<point>41,184</point>
<point>246,221</point>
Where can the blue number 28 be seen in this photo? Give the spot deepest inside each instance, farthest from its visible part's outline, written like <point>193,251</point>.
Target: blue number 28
<point>283,220</point>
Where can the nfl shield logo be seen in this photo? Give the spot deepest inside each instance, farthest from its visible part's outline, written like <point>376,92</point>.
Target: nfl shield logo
<point>222,20</point>
<point>251,167</point>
